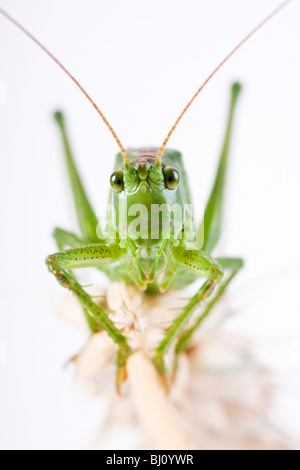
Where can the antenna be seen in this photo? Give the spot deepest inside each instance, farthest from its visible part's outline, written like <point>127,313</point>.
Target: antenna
<point>260,25</point>
<point>19,26</point>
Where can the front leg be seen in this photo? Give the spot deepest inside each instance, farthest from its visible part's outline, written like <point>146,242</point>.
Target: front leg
<point>204,266</point>
<point>83,257</point>
<point>66,239</point>
<point>233,266</point>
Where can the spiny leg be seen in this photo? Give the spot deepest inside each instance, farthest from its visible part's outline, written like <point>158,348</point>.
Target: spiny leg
<point>233,265</point>
<point>203,265</point>
<point>93,255</point>
<point>65,239</point>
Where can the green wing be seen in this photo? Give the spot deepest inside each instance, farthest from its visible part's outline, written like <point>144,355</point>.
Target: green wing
<point>211,226</point>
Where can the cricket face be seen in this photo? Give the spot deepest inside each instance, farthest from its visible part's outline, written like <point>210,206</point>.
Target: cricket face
<point>144,174</point>
<point>145,194</point>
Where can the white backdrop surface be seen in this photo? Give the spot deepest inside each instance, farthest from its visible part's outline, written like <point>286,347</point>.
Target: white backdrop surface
<point>141,61</point>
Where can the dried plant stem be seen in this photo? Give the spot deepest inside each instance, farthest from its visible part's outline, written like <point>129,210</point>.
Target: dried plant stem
<point>153,408</point>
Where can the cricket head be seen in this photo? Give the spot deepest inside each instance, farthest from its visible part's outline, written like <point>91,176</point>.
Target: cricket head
<point>145,174</point>
<point>148,204</point>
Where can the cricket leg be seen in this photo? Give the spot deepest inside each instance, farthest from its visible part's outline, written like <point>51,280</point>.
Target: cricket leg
<point>86,216</point>
<point>133,252</point>
<point>159,253</point>
<point>233,266</point>
<point>68,239</point>
<point>91,256</point>
<point>143,278</point>
<point>204,266</point>
<point>169,278</point>
<point>212,223</point>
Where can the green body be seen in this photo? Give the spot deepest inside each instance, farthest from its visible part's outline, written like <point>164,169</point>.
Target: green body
<point>129,252</point>
<point>146,248</point>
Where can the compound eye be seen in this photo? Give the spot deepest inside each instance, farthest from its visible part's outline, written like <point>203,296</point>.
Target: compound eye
<point>116,181</point>
<point>172,177</point>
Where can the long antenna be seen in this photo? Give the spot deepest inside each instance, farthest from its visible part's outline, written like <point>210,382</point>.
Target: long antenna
<point>19,26</point>
<point>260,25</point>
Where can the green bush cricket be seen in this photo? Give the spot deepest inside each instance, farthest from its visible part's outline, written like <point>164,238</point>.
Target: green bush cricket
<point>149,178</point>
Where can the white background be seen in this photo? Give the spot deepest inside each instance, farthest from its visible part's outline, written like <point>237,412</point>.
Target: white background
<point>141,61</point>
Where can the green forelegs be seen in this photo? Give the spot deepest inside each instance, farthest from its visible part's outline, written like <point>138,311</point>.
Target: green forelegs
<point>232,265</point>
<point>66,239</point>
<point>203,265</point>
<point>94,255</point>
